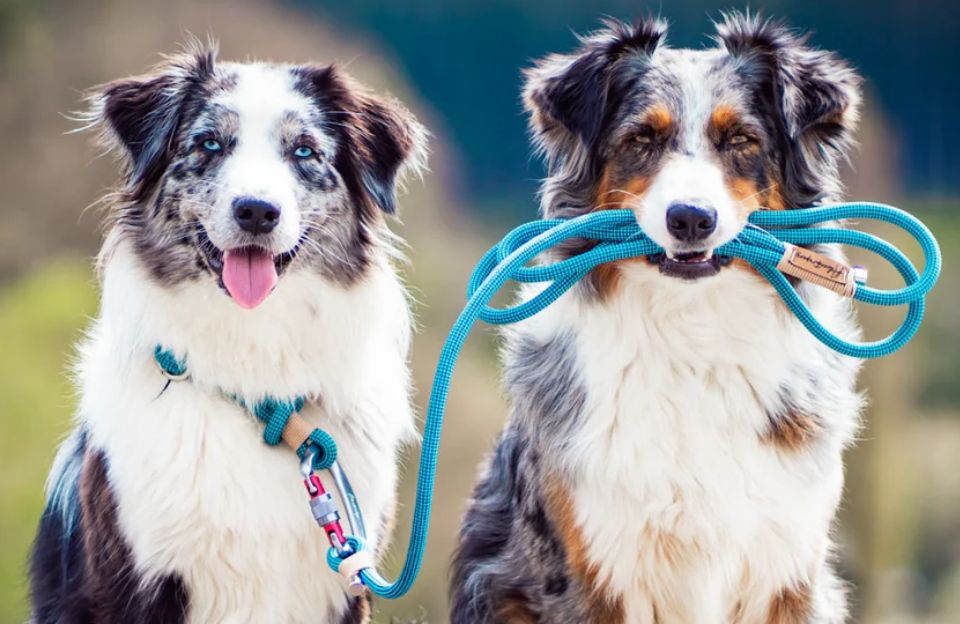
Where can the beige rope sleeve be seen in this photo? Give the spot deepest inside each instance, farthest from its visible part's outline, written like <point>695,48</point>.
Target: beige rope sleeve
<point>817,269</point>
<point>296,432</point>
<point>352,565</point>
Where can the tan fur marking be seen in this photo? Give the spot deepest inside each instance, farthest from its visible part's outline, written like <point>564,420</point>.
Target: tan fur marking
<point>772,199</point>
<point>790,606</point>
<point>723,117</point>
<point>668,548</point>
<point>625,195</point>
<point>792,432</point>
<point>602,606</point>
<point>516,612</point>
<point>607,277</point>
<point>746,193</point>
<point>749,199</point>
<point>659,117</point>
<point>365,612</point>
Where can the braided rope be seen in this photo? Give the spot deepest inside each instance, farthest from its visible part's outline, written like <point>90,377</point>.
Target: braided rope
<point>275,413</point>
<point>620,237</point>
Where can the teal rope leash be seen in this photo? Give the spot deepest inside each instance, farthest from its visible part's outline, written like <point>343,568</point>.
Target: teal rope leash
<point>620,237</point>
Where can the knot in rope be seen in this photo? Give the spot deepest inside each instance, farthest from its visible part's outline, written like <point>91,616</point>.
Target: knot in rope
<point>274,413</point>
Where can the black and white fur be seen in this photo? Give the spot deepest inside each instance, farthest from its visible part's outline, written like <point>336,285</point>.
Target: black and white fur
<point>165,505</point>
<point>674,450</point>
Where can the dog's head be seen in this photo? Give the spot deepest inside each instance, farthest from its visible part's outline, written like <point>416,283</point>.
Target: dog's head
<point>236,173</point>
<point>691,141</point>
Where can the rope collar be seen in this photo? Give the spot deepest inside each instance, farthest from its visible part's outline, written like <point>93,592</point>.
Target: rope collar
<point>281,417</point>
<point>317,451</point>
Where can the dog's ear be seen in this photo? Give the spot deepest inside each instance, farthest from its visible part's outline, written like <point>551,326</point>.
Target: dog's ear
<point>381,141</point>
<point>566,95</point>
<point>139,117</point>
<point>814,95</point>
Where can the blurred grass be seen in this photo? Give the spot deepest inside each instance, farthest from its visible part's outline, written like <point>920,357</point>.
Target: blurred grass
<point>900,534</point>
<point>40,316</point>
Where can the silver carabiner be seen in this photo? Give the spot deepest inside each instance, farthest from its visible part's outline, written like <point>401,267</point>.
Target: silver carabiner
<point>350,502</point>
<point>325,511</point>
<point>306,469</point>
<point>354,518</point>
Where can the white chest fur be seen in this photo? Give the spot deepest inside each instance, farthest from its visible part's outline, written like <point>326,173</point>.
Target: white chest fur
<point>685,511</point>
<point>199,493</point>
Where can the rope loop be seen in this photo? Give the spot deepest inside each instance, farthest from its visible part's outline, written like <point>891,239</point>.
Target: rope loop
<point>617,236</point>
<point>275,413</point>
<point>324,447</point>
<point>761,243</point>
<point>355,544</point>
<point>169,363</point>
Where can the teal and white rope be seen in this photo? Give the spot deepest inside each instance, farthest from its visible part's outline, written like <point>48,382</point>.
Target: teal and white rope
<point>761,244</point>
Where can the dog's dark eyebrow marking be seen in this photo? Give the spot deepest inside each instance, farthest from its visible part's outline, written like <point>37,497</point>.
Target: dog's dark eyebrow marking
<point>556,584</point>
<point>292,116</point>
<point>215,119</point>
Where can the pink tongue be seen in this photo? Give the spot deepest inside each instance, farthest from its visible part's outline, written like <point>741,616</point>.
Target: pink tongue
<point>249,276</point>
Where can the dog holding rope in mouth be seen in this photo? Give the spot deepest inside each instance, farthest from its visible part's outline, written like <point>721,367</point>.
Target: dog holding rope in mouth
<point>249,236</point>
<point>674,450</point>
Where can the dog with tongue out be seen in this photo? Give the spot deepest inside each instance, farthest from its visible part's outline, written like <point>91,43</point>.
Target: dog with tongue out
<point>249,236</point>
<point>249,275</point>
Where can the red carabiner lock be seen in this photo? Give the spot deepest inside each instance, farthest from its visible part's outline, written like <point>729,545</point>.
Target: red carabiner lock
<point>324,507</point>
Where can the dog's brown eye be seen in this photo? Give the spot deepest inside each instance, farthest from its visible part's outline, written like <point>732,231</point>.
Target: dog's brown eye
<point>644,136</point>
<point>740,140</point>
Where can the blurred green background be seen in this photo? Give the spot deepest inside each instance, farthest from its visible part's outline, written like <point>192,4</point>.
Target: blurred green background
<point>457,65</point>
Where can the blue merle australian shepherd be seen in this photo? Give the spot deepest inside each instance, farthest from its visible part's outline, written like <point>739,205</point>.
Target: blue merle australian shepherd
<point>674,450</point>
<point>248,235</point>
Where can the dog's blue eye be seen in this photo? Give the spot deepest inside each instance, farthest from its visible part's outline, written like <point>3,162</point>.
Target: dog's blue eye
<point>303,152</point>
<point>212,146</point>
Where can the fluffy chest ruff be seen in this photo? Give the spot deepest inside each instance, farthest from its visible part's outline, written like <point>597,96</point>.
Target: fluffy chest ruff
<point>673,455</point>
<point>197,495</point>
<point>702,485</point>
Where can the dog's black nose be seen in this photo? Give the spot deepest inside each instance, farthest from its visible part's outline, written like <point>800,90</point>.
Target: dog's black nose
<point>689,224</point>
<point>255,215</point>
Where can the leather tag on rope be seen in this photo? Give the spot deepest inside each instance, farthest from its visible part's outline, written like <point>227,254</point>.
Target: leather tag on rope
<point>296,432</point>
<point>818,269</point>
